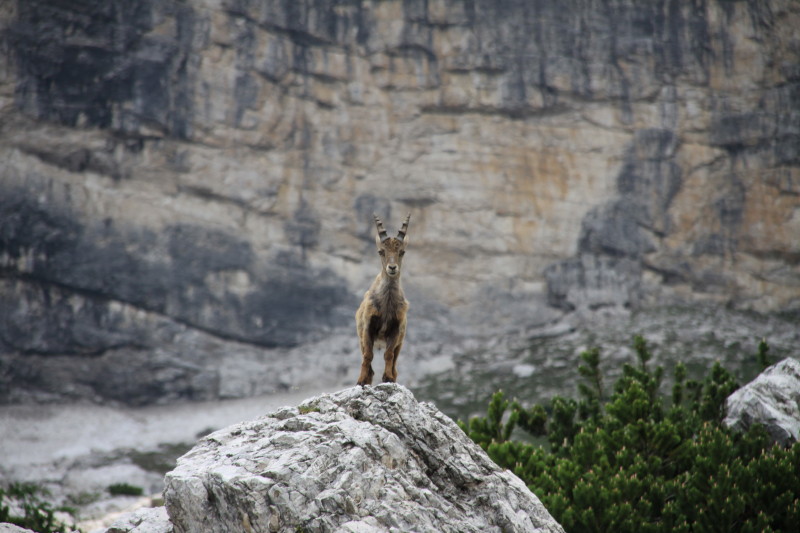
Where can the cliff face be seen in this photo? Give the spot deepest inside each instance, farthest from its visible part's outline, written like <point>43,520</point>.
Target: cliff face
<point>182,180</point>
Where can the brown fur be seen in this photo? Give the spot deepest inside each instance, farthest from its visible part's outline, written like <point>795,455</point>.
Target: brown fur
<point>381,317</point>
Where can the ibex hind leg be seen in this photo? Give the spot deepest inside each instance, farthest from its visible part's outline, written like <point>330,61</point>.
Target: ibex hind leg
<point>394,360</point>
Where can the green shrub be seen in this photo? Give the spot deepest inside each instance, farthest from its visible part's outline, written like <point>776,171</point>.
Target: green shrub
<point>630,462</point>
<point>37,514</point>
<point>124,489</point>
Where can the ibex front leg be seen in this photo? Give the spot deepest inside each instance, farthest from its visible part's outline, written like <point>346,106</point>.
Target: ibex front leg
<point>390,359</point>
<point>365,377</point>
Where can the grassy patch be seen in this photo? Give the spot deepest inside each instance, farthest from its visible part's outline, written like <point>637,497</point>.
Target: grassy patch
<point>124,489</point>
<point>305,409</point>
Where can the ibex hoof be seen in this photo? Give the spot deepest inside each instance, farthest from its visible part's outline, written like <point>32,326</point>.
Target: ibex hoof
<point>387,379</point>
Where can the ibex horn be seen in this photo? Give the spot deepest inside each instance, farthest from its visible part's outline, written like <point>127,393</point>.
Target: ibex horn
<point>381,232</point>
<point>402,233</point>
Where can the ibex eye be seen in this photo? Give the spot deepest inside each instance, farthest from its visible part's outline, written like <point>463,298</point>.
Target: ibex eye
<point>402,253</point>
<point>381,252</point>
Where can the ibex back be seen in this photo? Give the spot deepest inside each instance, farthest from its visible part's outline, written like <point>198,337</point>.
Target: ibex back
<point>381,317</point>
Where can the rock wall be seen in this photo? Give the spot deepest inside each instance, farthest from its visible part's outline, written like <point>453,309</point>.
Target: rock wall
<point>186,188</point>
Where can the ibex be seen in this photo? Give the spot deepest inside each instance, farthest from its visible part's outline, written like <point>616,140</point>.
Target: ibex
<point>381,317</point>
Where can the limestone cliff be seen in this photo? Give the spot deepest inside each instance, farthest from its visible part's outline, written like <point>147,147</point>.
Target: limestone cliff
<point>187,181</point>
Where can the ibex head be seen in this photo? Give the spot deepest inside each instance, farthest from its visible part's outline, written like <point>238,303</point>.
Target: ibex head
<point>391,249</point>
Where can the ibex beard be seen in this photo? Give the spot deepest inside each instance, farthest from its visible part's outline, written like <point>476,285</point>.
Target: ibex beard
<point>381,317</point>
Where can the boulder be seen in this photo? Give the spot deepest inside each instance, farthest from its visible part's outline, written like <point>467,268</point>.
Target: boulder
<point>144,520</point>
<point>363,459</point>
<point>772,399</point>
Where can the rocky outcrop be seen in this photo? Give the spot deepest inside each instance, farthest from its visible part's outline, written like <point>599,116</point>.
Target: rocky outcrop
<point>185,179</point>
<point>363,459</point>
<point>145,520</point>
<point>772,400</point>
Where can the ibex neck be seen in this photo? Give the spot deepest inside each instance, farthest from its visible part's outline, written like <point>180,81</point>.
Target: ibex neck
<point>386,283</point>
<point>387,293</point>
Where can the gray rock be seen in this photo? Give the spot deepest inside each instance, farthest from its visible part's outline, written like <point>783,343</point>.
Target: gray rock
<point>593,281</point>
<point>772,399</point>
<point>5,527</point>
<point>145,520</point>
<point>360,460</point>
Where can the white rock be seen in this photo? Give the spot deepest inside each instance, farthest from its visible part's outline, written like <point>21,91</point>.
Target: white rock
<point>523,370</point>
<point>5,527</point>
<point>144,520</point>
<point>772,399</point>
<point>360,460</point>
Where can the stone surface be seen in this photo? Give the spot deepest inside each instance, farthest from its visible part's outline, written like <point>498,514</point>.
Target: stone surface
<point>363,459</point>
<point>183,182</point>
<point>145,520</point>
<point>772,400</point>
<point>5,527</point>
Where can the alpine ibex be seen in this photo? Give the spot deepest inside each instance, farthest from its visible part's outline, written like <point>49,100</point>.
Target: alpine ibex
<point>381,317</point>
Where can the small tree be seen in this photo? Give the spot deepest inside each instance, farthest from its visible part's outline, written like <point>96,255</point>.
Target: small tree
<point>630,463</point>
<point>37,514</point>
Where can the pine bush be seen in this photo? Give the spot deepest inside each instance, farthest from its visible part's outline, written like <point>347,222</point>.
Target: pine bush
<point>633,462</point>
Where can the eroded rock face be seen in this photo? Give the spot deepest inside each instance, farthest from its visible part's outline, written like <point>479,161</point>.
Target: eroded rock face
<point>212,167</point>
<point>363,459</point>
<point>772,400</point>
